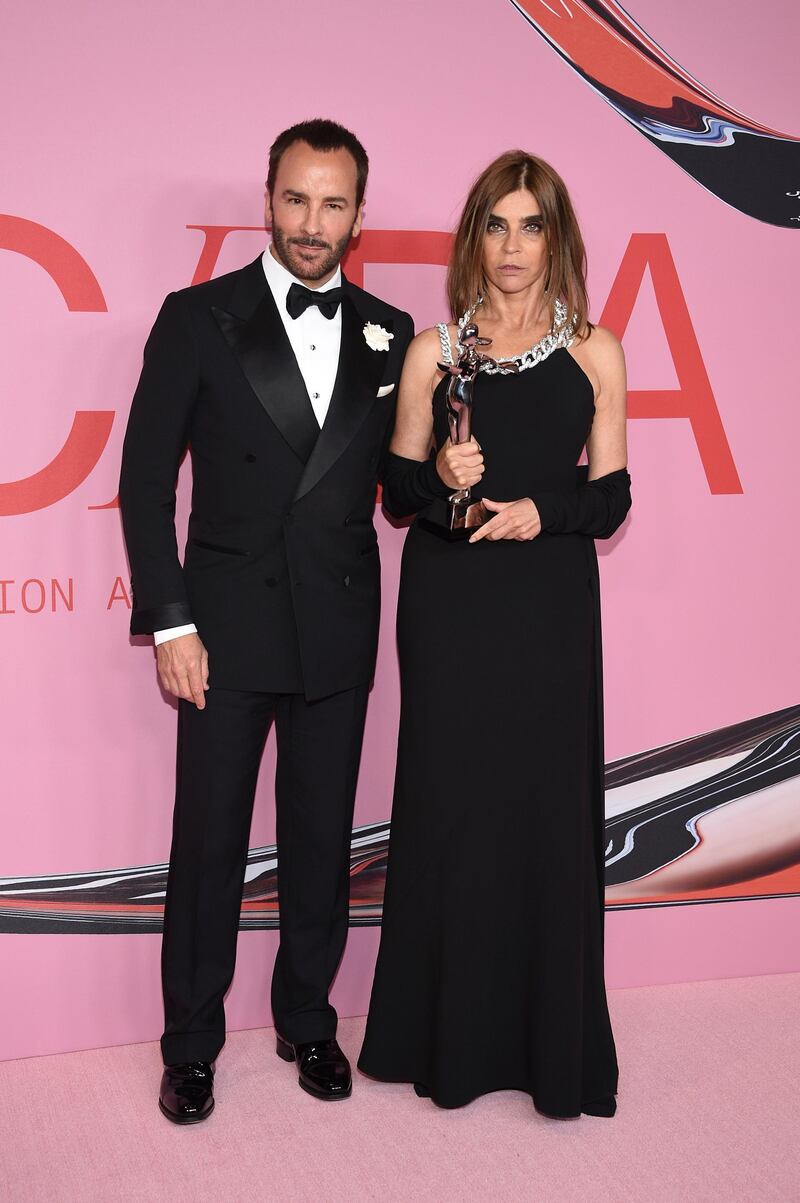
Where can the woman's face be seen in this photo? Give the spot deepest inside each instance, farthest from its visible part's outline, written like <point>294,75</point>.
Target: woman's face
<point>515,253</point>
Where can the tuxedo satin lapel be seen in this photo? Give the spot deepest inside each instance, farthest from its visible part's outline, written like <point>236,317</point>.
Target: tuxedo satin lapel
<point>357,381</point>
<point>265,355</point>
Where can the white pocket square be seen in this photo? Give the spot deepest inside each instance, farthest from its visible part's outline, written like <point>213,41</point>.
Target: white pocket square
<point>385,389</point>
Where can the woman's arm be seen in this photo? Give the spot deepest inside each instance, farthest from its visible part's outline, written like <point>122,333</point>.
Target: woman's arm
<point>606,447</point>
<point>599,507</point>
<point>413,430</point>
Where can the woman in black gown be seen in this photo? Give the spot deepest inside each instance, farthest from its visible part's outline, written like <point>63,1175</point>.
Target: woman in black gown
<point>490,972</point>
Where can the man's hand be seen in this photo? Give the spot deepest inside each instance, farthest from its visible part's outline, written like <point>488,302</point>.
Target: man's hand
<point>512,520</point>
<point>183,668</point>
<point>460,465</point>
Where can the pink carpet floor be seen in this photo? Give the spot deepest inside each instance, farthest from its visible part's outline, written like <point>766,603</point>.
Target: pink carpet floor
<point>709,1110</point>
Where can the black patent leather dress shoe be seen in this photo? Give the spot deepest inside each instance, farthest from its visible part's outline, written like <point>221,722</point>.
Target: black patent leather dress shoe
<point>187,1092</point>
<point>324,1069</point>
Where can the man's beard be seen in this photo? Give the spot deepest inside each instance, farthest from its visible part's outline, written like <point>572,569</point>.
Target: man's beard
<point>289,251</point>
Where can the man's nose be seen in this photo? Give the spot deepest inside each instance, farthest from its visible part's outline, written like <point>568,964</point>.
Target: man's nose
<point>312,223</point>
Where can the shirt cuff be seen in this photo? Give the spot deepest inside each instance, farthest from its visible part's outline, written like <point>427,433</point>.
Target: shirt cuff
<point>173,633</point>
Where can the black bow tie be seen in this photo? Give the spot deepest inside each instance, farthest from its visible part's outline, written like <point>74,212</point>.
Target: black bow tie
<point>299,299</point>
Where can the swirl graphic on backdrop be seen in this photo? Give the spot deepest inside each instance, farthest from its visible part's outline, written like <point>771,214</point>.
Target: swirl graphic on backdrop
<point>708,819</point>
<point>751,167</point>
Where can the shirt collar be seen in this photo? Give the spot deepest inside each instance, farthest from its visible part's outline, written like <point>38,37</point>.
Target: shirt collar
<point>280,279</point>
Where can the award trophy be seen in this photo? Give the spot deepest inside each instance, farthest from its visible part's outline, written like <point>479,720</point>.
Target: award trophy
<point>463,513</point>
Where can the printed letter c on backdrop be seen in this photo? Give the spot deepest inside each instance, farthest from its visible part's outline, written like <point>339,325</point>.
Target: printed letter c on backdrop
<point>86,441</point>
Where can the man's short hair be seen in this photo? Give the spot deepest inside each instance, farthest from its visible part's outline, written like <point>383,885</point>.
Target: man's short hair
<point>320,134</point>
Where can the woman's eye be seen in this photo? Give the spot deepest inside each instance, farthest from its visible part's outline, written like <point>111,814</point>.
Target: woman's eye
<point>534,227</point>
<point>494,226</point>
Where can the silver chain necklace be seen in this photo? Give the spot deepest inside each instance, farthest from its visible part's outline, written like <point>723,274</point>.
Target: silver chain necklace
<point>561,334</point>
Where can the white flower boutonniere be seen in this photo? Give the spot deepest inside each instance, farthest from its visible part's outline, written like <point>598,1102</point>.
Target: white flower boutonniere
<point>377,338</point>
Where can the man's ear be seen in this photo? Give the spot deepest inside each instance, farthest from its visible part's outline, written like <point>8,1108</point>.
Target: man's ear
<point>267,208</point>
<point>359,219</point>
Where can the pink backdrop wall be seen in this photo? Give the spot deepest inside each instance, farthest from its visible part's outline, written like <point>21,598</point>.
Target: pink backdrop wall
<point>125,127</point>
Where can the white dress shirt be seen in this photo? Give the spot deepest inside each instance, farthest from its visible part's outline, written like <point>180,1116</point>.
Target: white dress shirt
<point>315,340</point>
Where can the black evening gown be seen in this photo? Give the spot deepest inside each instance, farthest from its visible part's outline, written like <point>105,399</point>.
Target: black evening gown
<point>490,971</point>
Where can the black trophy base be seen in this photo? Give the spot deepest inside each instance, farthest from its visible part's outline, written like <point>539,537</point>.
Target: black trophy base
<point>466,515</point>
<point>454,520</point>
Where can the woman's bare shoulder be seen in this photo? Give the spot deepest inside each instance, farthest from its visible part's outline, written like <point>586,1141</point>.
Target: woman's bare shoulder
<point>603,347</point>
<point>425,350</point>
<point>430,339</point>
<point>605,359</point>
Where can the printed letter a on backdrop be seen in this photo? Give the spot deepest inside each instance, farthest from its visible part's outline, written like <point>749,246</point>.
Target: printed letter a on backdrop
<point>694,399</point>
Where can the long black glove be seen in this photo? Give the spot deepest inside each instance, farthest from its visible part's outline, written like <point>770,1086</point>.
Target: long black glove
<point>410,485</point>
<point>597,507</point>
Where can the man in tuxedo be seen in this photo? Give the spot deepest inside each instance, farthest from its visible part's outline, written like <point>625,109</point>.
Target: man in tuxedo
<point>281,380</point>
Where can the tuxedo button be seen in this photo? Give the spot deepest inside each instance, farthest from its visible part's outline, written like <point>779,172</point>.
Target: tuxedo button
<point>347,582</point>
<point>271,581</point>
<point>313,347</point>
<point>347,520</point>
<point>250,459</point>
<point>288,519</point>
<point>315,396</point>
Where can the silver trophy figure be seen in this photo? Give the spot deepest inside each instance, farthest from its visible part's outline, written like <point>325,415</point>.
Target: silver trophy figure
<point>463,513</point>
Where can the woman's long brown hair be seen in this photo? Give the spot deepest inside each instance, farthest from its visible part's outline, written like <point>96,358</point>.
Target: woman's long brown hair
<point>566,277</point>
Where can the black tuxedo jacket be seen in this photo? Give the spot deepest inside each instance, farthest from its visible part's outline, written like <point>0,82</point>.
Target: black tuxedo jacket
<point>281,572</point>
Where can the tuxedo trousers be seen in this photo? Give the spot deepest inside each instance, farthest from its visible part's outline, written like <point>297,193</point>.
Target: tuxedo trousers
<point>219,753</point>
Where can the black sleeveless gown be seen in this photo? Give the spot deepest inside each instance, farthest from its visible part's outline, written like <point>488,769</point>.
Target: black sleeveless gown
<point>490,971</point>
